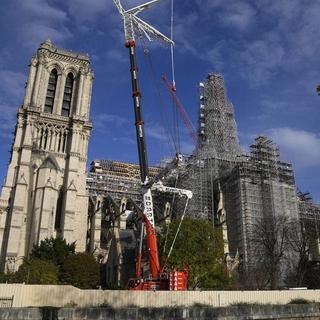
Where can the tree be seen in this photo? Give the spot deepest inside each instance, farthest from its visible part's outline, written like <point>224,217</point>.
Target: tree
<point>37,271</point>
<point>53,249</point>
<point>200,248</point>
<point>307,271</point>
<point>80,270</point>
<point>271,254</point>
<point>7,277</point>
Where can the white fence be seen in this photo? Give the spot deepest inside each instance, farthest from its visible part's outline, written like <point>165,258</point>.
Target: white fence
<point>59,296</point>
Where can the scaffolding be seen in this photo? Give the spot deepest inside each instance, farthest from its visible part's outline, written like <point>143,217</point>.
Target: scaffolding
<point>116,179</point>
<point>115,209</point>
<point>216,152</point>
<point>310,221</point>
<point>260,188</point>
<point>218,137</point>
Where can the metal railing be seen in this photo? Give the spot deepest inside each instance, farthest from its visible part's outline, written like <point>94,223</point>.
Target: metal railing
<point>6,302</point>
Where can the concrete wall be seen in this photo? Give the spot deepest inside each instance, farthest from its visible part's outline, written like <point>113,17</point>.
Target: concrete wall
<point>60,296</point>
<point>244,312</point>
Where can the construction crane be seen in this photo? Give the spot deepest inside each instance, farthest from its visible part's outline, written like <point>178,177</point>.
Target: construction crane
<point>188,124</point>
<point>160,278</point>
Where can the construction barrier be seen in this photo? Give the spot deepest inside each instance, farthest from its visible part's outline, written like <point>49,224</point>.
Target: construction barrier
<point>67,296</point>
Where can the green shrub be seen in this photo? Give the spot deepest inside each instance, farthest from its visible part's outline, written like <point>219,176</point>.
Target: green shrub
<point>300,301</point>
<point>37,271</point>
<point>80,270</point>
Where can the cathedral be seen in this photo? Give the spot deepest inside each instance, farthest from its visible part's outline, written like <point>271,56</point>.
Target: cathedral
<point>47,192</point>
<point>44,193</point>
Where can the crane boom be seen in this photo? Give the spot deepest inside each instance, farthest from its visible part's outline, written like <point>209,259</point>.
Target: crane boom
<point>141,7</point>
<point>159,279</point>
<point>133,23</point>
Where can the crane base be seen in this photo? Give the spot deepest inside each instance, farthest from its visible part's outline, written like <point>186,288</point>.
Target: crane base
<point>171,281</point>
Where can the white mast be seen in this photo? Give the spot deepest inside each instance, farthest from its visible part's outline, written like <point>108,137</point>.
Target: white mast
<point>133,23</point>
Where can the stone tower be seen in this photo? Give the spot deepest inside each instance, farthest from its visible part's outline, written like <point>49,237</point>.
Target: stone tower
<point>44,194</point>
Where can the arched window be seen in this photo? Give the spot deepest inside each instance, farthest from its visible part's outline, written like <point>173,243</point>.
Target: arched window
<point>48,106</point>
<point>67,96</point>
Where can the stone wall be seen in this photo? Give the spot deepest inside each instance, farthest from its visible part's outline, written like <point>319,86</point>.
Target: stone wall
<point>196,313</point>
<point>62,296</point>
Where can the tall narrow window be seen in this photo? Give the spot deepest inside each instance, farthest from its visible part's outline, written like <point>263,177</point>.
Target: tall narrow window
<point>67,96</point>
<point>57,224</point>
<point>48,106</point>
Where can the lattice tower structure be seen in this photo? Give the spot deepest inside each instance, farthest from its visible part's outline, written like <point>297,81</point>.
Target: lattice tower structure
<point>260,187</point>
<point>217,150</point>
<point>218,137</point>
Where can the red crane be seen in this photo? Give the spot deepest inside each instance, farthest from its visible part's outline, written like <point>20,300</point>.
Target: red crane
<point>159,279</point>
<point>188,124</point>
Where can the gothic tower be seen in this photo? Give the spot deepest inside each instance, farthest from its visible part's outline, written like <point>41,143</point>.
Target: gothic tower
<point>44,193</point>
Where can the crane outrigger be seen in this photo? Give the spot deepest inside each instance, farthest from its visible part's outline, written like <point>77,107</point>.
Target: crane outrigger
<point>160,278</point>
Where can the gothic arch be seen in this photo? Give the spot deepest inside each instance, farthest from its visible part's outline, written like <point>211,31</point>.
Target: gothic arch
<point>71,69</point>
<point>51,163</point>
<point>55,65</point>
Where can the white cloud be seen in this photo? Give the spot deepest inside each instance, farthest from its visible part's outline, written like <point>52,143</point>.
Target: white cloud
<point>12,84</point>
<point>257,61</point>
<point>116,55</point>
<point>299,146</point>
<point>261,58</point>
<point>283,39</point>
<point>104,121</point>
<point>35,33</point>
<point>216,55</point>
<point>39,20</point>
<point>43,10</point>
<point>7,119</point>
<point>156,131</point>
<point>125,140</point>
<point>11,93</point>
<point>239,15</point>
<point>84,10</point>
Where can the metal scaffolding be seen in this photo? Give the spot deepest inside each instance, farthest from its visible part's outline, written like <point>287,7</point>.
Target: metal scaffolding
<point>245,187</point>
<point>116,179</point>
<point>310,221</point>
<point>218,137</point>
<point>260,188</point>
<point>217,150</point>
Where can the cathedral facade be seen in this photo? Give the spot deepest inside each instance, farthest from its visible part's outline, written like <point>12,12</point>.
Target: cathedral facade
<point>44,193</point>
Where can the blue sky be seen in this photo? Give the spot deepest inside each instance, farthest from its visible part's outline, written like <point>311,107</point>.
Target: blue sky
<point>267,51</point>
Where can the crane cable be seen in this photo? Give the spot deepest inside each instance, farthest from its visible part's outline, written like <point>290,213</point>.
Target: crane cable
<point>178,230</point>
<point>170,216</point>
<point>173,85</point>
<point>152,75</point>
<point>173,88</point>
<point>175,133</point>
<point>171,49</point>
